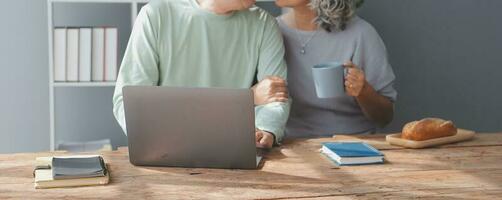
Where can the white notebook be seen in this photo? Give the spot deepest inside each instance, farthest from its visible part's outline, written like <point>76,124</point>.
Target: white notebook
<point>72,54</point>
<point>59,54</point>
<point>98,54</point>
<point>111,47</point>
<point>85,57</point>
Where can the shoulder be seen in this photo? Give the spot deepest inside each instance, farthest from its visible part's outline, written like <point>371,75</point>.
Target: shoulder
<point>159,11</point>
<point>153,7</point>
<point>362,29</point>
<point>257,14</point>
<point>159,6</point>
<point>162,3</point>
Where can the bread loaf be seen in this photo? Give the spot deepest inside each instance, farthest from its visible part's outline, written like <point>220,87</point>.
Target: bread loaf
<point>428,128</point>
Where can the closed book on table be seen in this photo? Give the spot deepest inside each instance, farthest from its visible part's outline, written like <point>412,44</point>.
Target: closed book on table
<point>70,171</point>
<point>111,50</point>
<point>59,54</point>
<point>98,54</point>
<point>85,57</point>
<point>72,54</point>
<point>352,153</point>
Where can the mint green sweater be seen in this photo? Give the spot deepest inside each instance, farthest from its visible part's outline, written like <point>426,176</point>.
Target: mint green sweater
<point>176,43</point>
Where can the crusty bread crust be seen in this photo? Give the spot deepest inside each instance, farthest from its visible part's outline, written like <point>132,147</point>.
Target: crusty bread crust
<point>428,128</point>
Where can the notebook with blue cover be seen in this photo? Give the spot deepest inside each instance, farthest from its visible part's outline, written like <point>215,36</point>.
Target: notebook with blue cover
<point>352,153</point>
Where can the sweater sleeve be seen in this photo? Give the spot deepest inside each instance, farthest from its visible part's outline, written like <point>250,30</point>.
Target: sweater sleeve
<point>371,56</point>
<point>140,63</point>
<point>272,117</point>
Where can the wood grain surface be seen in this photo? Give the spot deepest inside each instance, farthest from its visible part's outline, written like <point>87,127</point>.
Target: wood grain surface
<point>296,170</point>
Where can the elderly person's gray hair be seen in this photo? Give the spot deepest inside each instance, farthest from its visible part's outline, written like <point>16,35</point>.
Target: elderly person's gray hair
<point>334,14</point>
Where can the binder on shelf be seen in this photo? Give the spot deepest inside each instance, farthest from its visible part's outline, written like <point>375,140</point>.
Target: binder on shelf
<point>111,47</point>
<point>98,54</point>
<point>59,54</point>
<point>85,55</point>
<point>72,54</point>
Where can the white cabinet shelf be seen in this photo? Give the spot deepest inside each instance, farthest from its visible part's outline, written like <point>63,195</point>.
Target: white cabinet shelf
<point>99,1</point>
<point>84,84</point>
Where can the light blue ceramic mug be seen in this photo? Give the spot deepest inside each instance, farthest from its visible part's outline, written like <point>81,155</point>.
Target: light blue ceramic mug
<point>329,79</point>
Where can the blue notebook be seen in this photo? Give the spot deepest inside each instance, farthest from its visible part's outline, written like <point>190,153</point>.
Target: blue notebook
<point>352,153</point>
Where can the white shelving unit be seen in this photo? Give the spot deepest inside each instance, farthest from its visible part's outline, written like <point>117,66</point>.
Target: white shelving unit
<point>84,84</point>
<point>52,83</point>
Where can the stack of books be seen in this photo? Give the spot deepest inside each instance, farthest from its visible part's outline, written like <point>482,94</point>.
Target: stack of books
<point>70,171</point>
<point>85,54</point>
<point>352,153</point>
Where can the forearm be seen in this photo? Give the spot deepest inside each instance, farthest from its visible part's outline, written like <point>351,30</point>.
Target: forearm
<point>272,118</point>
<point>376,107</point>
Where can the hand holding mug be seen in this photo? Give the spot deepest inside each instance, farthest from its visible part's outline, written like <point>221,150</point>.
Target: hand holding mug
<point>355,80</point>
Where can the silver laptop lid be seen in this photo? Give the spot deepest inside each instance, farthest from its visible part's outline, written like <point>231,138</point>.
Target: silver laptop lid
<point>190,127</point>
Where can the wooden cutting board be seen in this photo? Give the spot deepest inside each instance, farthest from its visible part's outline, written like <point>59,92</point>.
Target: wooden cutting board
<point>462,135</point>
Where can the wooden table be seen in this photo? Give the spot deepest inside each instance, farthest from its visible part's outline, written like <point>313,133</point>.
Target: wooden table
<point>469,170</point>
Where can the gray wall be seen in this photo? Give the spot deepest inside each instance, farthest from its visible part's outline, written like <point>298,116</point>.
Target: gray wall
<point>446,54</point>
<point>24,98</point>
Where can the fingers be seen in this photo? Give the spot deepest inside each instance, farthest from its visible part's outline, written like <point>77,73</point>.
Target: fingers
<point>351,79</point>
<point>266,141</point>
<point>279,97</point>
<point>355,74</point>
<point>271,82</point>
<point>354,84</point>
<point>269,141</point>
<point>269,90</point>
<point>276,80</point>
<point>351,70</point>
<point>354,71</point>
<point>278,85</point>
<point>281,94</point>
<point>259,136</point>
<point>349,64</point>
<point>278,90</point>
<point>275,84</point>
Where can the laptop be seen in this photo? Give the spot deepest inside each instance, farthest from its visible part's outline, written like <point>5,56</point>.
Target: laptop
<point>190,127</point>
